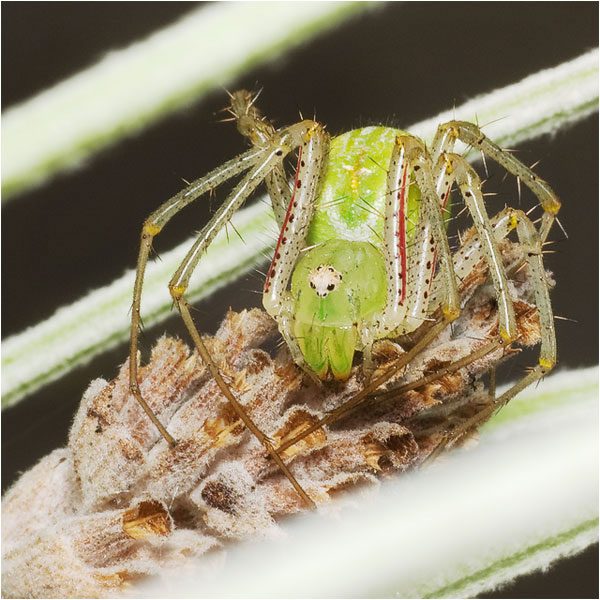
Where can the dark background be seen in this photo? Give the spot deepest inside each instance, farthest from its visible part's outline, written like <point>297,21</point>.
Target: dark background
<point>398,64</point>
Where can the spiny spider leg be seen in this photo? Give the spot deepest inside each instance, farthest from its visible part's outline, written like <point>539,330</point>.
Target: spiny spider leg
<point>504,223</point>
<point>471,134</point>
<point>277,300</point>
<point>299,135</point>
<point>458,169</point>
<point>279,192</point>
<point>239,409</point>
<point>531,239</point>
<point>253,125</point>
<point>420,162</point>
<point>152,227</point>
<point>409,266</point>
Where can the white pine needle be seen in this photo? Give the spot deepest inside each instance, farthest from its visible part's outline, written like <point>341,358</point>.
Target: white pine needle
<point>129,88</point>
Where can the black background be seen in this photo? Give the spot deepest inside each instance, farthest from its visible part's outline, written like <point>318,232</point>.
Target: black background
<point>397,64</point>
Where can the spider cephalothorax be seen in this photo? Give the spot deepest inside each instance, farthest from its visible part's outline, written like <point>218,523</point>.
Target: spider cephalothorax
<point>338,288</point>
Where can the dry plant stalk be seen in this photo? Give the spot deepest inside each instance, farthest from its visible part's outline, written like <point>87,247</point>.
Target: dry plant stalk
<point>119,504</point>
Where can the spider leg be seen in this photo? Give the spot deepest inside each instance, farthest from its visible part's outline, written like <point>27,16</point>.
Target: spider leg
<point>253,125</point>
<point>411,263</point>
<point>531,240</point>
<point>471,134</point>
<point>420,162</point>
<point>277,300</point>
<point>279,192</point>
<point>299,135</point>
<point>458,169</point>
<point>151,228</point>
<point>239,409</point>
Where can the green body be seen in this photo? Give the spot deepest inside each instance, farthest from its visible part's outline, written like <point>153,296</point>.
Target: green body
<point>347,231</point>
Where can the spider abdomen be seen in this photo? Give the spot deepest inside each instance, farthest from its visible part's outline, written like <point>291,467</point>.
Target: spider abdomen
<point>351,202</point>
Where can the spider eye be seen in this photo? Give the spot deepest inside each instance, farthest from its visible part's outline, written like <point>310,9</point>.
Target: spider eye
<point>330,287</point>
<point>312,285</point>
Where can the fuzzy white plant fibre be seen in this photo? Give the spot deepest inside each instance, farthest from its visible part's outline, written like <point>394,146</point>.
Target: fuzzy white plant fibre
<point>525,498</point>
<point>118,504</point>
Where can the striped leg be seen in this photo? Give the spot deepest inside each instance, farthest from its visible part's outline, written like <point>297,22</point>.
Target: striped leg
<point>410,263</point>
<point>473,253</point>
<point>277,299</point>
<point>471,134</point>
<point>305,136</point>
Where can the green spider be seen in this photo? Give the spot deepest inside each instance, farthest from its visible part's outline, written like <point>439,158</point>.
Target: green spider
<point>363,252</point>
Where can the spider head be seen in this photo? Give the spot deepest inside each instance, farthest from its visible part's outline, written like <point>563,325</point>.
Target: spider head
<point>337,287</point>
